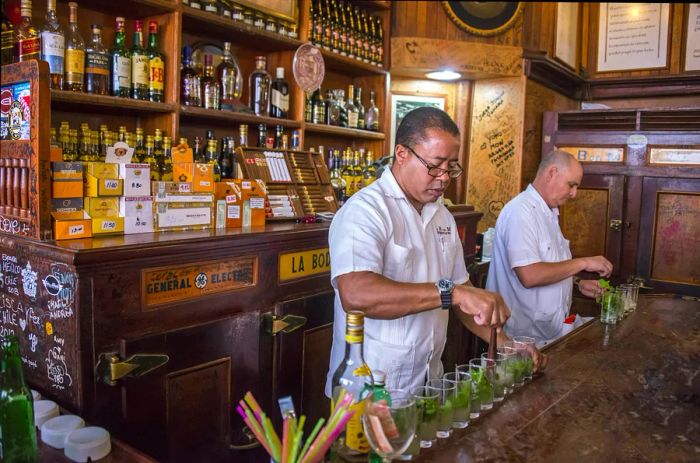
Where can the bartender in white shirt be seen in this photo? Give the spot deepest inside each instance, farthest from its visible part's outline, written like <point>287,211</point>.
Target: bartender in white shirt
<point>532,266</point>
<point>397,256</point>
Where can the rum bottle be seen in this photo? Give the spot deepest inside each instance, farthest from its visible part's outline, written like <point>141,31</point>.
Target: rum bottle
<point>96,64</point>
<point>156,65</point>
<point>151,159</point>
<point>372,114</point>
<point>26,36</point>
<point>259,88</point>
<point>337,181</point>
<point>212,159</point>
<point>121,62</point>
<point>279,104</point>
<point>210,87</point>
<point>75,53</point>
<point>139,65</point>
<point>190,85</point>
<point>351,109</point>
<point>53,44</point>
<point>227,76</point>
<point>165,164</point>
<point>360,109</point>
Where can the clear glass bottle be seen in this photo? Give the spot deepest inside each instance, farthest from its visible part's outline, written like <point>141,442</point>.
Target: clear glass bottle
<point>7,46</point>
<point>228,77</point>
<point>259,88</point>
<point>372,114</point>
<point>351,376</point>
<point>96,64</point>
<point>27,42</point>
<point>210,87</point>
<point>139,65</point>
<point>369,173</point>
<point>360,109</point>
<point>357,171</point>
<point>190,83</point>
<point>53,44</point>
<point>348,173</point>
<point>19,443</point>
<point>279,95</point>
<point>156,65</point>
<point>121,62</point>
<point>75,53</point>
<point>337,181</point>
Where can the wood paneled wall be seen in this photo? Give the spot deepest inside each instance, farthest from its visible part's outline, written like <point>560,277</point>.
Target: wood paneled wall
<point>429,19</point>
<point>539,31</point>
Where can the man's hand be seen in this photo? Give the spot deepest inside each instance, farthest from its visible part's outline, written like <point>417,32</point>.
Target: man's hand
<point>539,359</point>
<point>597,264</point>
<point>590,288</point>
<point>486,307</point>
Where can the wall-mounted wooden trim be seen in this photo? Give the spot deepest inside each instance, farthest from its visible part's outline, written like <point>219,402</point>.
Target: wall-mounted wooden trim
<point>552,74</point>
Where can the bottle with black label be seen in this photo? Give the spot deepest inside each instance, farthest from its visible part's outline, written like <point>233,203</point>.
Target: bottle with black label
<point>279,104</point>
<point>121,62</point>
<point>96,64</point>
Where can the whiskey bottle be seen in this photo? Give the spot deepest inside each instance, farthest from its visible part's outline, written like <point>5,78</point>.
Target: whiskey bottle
<point>351,109</point>
<point>259,88</point>
<point>26,36</point>
<point>212,159</point>
<point>372,114</point>
<point>198,150</point>
<point>140,148</point>
<point>139,65</point>
<point>318,115</point>
<point>210,88</point>
<point>225,163</point>
<point>75,53</point>
<point>121,62</point>
<point>53,44</point>
<point>360,109</point>
<point>347,172</point>
<point>380,42</point>
<point>7,46</point>
<point>165,164</point>
<point>337,181</point>
<point>369,173</point>
<point>156,65</point>
<point>228,77</point>
<point>151,159</point>
<point>190,84</point>
<point>357,171</point>
<point>96,64</point>
<point>279,104</point>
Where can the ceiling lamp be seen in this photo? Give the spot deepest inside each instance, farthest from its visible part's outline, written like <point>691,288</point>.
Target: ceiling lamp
<point>443,75</point>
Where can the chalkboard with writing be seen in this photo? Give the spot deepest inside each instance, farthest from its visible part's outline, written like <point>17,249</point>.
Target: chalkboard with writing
<point>38,301</point>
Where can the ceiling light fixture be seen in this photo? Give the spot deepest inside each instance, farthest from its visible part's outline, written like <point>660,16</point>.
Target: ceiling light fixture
<point>443,75</point>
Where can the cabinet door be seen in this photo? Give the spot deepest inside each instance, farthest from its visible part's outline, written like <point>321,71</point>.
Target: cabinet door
<point>669,239</point>
<point>184,410</point>
<point>302,356</point>
<point>593,222</point>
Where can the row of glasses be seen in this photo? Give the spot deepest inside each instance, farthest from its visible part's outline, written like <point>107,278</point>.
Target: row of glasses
<point>619,302</point>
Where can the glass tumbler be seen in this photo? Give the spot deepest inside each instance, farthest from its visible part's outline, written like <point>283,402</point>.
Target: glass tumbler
<point>480,372</point>
<point>427,402</point>
<point>445,414</point>
<point>462,397</point>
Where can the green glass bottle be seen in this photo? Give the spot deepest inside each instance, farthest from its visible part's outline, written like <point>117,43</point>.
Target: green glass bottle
<point>121,63</point>
<point>18,434</point>
<point>156,65</point>
<point>139,65</point>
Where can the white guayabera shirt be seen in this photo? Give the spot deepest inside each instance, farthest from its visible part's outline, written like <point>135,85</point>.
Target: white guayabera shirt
<point>378,230</point>
<point>527,232</point>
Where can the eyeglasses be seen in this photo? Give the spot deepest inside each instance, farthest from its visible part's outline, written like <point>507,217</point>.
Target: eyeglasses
<point>454,171</point>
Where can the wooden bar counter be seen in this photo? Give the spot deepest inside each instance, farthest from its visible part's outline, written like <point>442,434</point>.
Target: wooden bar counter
<point>626,392</point>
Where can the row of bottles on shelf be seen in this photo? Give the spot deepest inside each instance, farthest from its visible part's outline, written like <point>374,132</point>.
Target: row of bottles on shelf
<point>336,110</point>
<point>350,171</point>
<point>89,67</point>
<point>237,12</point>
<point>221,88</point>
<point>338,26</point>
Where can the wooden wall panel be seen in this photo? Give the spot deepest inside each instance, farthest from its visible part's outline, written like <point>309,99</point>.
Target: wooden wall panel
<point>539,31</point>
<point>429,19</point>
<point>583,222</point>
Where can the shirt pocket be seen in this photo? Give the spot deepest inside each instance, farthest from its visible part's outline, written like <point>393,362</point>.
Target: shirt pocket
<point>450,254</point>
<point>398,262</point>
<point>397,361</point>
<point>548,251</point>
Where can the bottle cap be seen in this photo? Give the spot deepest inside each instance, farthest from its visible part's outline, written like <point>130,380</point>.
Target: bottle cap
<point>356,318</point>
<point>152,26</point>
<point>280,72</point>
<point>55,430</point>
<point>379,377</point>
<point>44,410</point>
<point>91,442</point>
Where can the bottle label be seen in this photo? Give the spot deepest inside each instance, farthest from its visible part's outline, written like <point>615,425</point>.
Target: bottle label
<point>121,73</point>
<point>7,39</point>
<point>211,8</point>
<point>75,65</point>
<point>352,119</point>
<point>52,51</point>
<point>280,101</point>
<point>157,71</point>
<point>97,63</point>
<point>355,437</point>
<point>29,46</point>
<point>139,70</point>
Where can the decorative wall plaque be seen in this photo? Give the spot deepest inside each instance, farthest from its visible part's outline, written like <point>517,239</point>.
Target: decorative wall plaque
<point>483,18</point>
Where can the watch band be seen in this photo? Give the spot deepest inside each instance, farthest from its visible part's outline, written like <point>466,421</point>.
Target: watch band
<point>446,299</point>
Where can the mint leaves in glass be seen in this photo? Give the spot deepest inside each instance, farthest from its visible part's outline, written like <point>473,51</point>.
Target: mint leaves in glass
<point>446,390</point>
<point>427,404</point>
<point>462,398</point>
<point>481,382</point>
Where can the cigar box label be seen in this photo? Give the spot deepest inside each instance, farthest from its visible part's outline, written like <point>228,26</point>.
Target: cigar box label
<point>300,264</point>
<point>174,215</point>
<point>66,204</point>
<point>184,188</point>
<point>233,212</point>
<point>257,203</point>
<point>165,285</point>
<point>111,184</point>
<point>232,199</point>
<point>76,230</point>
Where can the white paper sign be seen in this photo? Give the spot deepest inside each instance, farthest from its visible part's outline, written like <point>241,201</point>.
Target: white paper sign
<point>692,43</point>
<point>632,36</point>
<point>120,153</point>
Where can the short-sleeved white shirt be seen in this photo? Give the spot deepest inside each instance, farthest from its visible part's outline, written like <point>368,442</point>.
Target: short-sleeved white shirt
<point>527,232</point>
<point>378,230</point>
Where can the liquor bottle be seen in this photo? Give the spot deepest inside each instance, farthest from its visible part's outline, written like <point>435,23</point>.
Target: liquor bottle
<point>343,30</point>
<point>351,376</point>
<point>210,6</point>
<point>318,108</point>
<point>335,28</point>
<point>190,85</point>
<point>227,75</point>
<point>121,62</point>
<point>357,172</point>
<point>75,53</point>
<point>86,152</point>
<point>198,150</point>
<point>262,135</point>
<point>243,135</point>
<point>156,65</point>
<point>308,108</point>
<point>259,88</point>
<point>26,36</point>
<point>139,65</point>
<point>212,159</point>
<point>225,163</point>
<point>351,109</point>
<point>96,64</point>
<point>158,142</point>
<point>347,173</point>
<point>151,159</point>
<point>367,38</point>
<point>140,148</point>
<point>74,154</point>
<point>359,37</point>
<point>53,44</point>
<point>350,30</point>
<point>337,181</point>
<point>19,442</point>
<point>360,109</point>
<point>210,88</point>
<point>312,21</point>
<point>7,46</point>
<point>380,41</point>
<point>165,163</point>
<point>326,34</point>
<point>369,173</point>
<point>279,95</point>
<point>372,114</point>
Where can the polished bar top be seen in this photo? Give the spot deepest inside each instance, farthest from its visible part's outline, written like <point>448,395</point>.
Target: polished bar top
<point>625,392</point>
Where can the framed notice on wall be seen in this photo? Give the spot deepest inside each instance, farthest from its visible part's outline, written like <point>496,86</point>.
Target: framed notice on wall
<point>566,46</point>
<point>692,38</point>
<point>632,36</point>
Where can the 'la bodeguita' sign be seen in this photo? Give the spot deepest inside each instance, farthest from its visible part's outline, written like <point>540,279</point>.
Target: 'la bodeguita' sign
<point>299,264</point>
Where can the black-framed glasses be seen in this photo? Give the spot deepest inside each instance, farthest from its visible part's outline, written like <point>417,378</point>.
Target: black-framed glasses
<point>454,171</point>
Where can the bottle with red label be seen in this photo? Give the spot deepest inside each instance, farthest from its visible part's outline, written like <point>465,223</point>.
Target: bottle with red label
<point>27,42</point>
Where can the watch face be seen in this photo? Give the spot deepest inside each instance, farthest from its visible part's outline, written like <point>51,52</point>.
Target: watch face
<point>445,285</point>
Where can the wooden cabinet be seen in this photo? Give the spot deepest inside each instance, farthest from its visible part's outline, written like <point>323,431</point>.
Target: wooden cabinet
<point>639,201</point>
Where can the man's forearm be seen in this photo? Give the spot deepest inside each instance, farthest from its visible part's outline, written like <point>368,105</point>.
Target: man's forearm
<point>547,273</point>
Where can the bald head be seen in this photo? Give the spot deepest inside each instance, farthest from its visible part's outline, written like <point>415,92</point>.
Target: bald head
<point>561,159</point>
<point>558,178</point>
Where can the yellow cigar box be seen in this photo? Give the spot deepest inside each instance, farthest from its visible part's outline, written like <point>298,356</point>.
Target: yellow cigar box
<point>104,170</point>
<point>107,226</point>
<point>71,225</point>
<point>102,207</point>
<point>95,187</point>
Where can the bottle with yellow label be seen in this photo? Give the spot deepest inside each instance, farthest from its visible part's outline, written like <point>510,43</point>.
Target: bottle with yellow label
<point>75,53</point>
<point>351,376</point>
<point>156,65</point>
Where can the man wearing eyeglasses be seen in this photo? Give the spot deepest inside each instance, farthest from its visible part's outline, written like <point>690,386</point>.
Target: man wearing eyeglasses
<point>397,256</point>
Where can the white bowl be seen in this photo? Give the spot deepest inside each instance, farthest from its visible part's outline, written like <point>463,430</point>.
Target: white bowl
<point>55,430</point>
<point>44,410</point>
<point>91,442</point>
